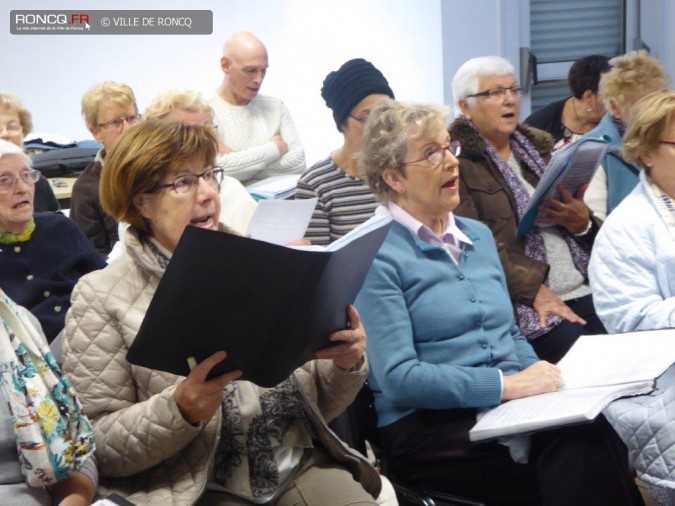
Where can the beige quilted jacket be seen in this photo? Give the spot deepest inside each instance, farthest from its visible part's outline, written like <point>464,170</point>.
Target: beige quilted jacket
<point>146,451</point>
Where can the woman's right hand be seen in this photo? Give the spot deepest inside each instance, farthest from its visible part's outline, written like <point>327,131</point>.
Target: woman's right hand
<point>546,302</point>
<point>539,378</point>
<point>197,397</point>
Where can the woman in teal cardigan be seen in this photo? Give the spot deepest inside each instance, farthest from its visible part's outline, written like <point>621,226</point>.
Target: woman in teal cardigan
<point>443,342</point>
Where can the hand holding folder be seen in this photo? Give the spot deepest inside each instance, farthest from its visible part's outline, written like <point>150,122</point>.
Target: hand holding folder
<point>269,307</point>
<point>570,167</point>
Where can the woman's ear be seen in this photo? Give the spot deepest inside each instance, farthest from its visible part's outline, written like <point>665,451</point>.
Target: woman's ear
<point>394,180</point>
<point>141,202</point>
<point>590,100</point>
<point>647,160</point>
<point>464,107</point>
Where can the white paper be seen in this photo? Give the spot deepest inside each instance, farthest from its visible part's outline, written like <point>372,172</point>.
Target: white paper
<point>281,221</point>
<point>618,358</point>
<point>275,187</point>
<point>596,370</point>
<point>571,166</point>
<point>552,409</point>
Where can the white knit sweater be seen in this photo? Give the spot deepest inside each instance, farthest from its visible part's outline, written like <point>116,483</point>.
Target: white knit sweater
<point>248,130</point>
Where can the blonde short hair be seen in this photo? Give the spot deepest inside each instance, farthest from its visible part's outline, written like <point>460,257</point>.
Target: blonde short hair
<point>171,100</point>
<point>650,118</point>
<point>119,93</point>
<point>629,75</point>
<point>12,103</point>
<point>144,157</point>
<point>390,126</point>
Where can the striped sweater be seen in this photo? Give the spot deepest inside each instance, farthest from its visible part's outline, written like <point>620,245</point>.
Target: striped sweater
<point>343,202</point>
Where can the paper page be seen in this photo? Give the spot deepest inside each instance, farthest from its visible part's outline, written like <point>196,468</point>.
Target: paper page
<point>372,223</point>
<point>582,167</point>
<point>552,409</point>
<point>574,165</point>
<point>281,221</point>
<point>618,358</point>
<point>274,186</point>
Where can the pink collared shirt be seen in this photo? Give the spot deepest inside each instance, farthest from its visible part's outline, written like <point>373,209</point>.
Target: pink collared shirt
<point>451,239</point>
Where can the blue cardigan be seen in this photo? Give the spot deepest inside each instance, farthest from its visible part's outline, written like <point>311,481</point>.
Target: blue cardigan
<point>438,333</point>
<point>622,176</point>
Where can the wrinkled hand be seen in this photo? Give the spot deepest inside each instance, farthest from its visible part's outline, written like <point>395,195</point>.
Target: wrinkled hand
<point>539,378</point>
<point>349,354</point>
<point>546,302</point>
<point>198,398</point>
<point>570,212</point>
<point>281,144</point>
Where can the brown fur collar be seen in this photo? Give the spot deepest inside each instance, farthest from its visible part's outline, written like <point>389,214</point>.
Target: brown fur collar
<point>473,145</point>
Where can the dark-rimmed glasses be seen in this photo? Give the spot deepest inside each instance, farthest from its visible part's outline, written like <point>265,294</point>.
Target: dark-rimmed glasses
<point>8,182</point>
<point>361,120</point>
<point>437,156</point>
<point>187,183</point>
<point>499,93</point>
<point>670,143</point>
<point>116,124</point>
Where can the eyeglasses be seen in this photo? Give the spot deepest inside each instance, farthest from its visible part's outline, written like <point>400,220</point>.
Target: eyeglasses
<point>7,182</point>
<point>12,128</point>
<point>361,120</point>
<point>436,156</point>
<point>671,143</point>
<point>187,183</point>
<point>499,93</point>
<point>116,124</point>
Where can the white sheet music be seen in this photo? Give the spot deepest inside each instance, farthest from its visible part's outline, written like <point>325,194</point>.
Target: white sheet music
<point>618,358</point>
<point>281,221</point>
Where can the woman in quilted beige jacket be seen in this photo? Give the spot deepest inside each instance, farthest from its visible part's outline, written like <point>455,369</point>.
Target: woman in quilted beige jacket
<point>165,439</point>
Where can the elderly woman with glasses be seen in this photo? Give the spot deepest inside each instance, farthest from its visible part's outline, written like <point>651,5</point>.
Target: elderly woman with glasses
<point>236,204</point>
<point>632,274</point>
<point>15,124</point>
<point>108,109</point>
<point>42,255</point>
<point>344,200</point>
<point>443,342</point>
<point>165,439</point>
<point>501,163</point>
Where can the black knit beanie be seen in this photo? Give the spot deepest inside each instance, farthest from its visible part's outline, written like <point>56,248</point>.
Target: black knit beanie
<point>351,83</point>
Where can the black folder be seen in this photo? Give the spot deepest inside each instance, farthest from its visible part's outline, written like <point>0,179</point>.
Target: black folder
<point>269,307</point>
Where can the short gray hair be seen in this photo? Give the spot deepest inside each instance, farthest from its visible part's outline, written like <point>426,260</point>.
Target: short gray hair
<point>171,100</point>
<point>391,125</point>
<point>9,148</point>
<point>466,79</point>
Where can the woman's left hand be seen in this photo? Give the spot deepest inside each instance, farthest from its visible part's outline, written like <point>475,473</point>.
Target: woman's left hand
<point>348,355</point>
<point>570,211</point>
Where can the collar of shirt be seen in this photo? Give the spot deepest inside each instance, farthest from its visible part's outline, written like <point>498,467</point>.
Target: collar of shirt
<point>451,239</point>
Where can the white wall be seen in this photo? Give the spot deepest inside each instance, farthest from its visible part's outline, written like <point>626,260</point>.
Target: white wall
<point>656,30</point>
<point>305,39</point>
<point>468,32</point>
<point>418,44</point>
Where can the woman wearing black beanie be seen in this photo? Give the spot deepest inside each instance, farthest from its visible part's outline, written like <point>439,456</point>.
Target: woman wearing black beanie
<point>344,199</point>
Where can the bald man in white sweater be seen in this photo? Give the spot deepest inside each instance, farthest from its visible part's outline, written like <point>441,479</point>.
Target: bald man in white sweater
<point>257,130</point>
